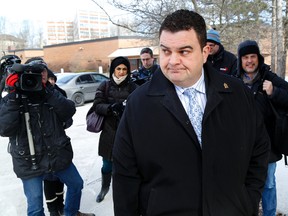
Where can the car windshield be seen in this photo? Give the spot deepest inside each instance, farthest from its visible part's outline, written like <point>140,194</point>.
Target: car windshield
<point>64,79</point>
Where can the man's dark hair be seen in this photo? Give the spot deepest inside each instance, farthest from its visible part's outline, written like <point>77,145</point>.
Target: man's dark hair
<point>185,20</point>
<point>147,50</point>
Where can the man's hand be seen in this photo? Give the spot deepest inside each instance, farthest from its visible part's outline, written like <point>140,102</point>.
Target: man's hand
<point>12,80</point>
<point>268,87</point>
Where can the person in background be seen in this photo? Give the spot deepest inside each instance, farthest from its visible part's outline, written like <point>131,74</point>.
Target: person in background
<point>267,88</point>
<point>6,63</point>
<point>52,78</point>
<point>179,150</point>
<point>43,148</point>
<point>222,60</point>
<point>109,101</point>
<point>148,68</point>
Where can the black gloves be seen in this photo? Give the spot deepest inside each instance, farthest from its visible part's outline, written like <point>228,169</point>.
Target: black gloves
<point>117,109</point>
<point>47,90</point>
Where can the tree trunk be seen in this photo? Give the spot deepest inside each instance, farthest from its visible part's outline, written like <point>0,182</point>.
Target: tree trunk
<point>273,35</point>
<point>280,41</point>
<point>195,5</point>
<point>285,37</point>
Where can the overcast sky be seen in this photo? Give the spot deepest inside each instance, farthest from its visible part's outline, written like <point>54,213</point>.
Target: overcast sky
<point>44,9</point>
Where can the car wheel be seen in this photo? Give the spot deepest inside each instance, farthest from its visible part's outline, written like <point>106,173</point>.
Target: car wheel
<point>78,99</point>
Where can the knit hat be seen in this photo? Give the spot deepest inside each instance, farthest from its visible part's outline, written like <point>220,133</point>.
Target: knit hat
<point>117,61</point>
<point>248,47</point>
<point>213,36</point>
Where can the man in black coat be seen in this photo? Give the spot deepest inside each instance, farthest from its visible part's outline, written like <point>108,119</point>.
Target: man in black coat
<point>267,89</point>
<point>221,59</point>
<point>161,166</point>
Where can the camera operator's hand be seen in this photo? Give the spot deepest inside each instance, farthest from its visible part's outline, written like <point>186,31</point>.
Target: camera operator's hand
<point>117,109</point>
<point>46,90</point>
<point>12,81</point>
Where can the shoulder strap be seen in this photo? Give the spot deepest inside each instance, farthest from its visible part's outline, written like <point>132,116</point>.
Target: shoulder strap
<point>106,87</point>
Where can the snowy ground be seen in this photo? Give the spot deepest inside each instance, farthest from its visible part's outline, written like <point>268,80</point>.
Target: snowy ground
<point>86,159</point>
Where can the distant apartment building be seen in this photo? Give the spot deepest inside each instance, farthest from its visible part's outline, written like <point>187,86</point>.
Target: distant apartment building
<point>86,25</point>
<point>91,25</point>
<point>60,32</point>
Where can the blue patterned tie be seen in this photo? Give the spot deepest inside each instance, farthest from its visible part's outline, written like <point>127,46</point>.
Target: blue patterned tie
<point>194,112</point>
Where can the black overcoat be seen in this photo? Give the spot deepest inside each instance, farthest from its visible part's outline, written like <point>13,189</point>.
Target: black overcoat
<point>160,168</point>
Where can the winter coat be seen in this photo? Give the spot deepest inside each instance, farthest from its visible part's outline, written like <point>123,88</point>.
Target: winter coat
<point>48,113</point>
<point>143,74</point>
<point>160,168</point>
<point>279,99</point>
<point>224,61</point>
<point>107,94</point>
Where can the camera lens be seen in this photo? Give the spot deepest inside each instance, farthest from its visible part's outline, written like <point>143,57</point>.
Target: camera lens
<point>31,82</point>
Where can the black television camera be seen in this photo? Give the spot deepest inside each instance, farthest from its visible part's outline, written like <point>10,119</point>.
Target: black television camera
<point>30,78</point>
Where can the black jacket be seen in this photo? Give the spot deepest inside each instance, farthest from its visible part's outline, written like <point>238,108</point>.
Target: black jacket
<point>279,99</point>
<point>107,94</point>
<point>224,61</point>
<point>159,167</point>
<point>48,113</point>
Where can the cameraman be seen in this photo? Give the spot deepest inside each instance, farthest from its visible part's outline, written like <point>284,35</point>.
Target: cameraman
<point>47,109</point>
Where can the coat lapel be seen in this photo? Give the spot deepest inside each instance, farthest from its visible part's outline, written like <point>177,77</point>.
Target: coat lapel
<point>161,86</point>
<point>215,87</point>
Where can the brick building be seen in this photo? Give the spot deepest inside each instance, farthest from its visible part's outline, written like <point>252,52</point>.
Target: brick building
<point>93,54</point>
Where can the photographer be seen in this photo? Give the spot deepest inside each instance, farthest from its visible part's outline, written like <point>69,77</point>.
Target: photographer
<point>109,101</point>
<point>32,116</point>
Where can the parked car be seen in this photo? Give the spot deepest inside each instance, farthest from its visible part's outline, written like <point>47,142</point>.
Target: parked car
<point>80,87</point>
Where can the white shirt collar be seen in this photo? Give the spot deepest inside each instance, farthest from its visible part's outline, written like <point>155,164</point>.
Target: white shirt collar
<point>199,85</point>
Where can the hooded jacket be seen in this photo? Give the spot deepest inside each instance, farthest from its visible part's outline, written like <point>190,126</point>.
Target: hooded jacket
<point>109,93</point>
<point>279,97</point>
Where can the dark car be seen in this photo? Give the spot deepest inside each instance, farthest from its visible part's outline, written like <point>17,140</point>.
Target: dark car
<point>80,87</point>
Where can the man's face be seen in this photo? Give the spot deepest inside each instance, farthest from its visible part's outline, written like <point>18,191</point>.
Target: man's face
<point>181,57</point>
<point>147,60</point>
<point>44,74</point>
<point>250,63</point>
<point>213,48</point>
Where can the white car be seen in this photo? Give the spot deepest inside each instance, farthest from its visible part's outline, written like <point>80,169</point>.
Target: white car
<point>80,87</point>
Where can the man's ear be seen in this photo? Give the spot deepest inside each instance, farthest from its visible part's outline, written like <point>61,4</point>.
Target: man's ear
<point>205,53</point>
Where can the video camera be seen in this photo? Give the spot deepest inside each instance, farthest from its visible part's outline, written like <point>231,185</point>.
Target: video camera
<point>30,78</point>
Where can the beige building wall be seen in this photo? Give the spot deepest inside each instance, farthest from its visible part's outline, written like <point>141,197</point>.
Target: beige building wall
<point>87,55</point>
<point>25,54</point>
